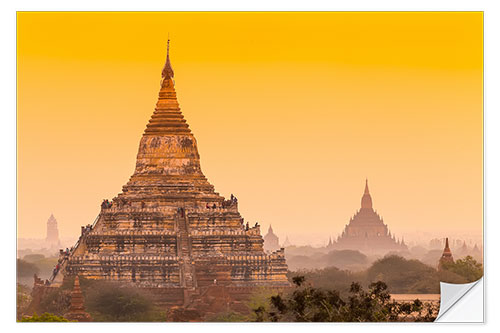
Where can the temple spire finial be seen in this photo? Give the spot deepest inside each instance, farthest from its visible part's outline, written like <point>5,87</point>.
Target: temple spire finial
<point>366,200</point>
<point>168,72</point>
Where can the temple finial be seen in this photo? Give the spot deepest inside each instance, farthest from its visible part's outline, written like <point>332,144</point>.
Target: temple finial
<point>168,72</point>
<point>366,187</point>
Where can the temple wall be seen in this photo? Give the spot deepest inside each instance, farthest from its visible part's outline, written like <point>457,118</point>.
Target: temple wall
<point>142,269</point>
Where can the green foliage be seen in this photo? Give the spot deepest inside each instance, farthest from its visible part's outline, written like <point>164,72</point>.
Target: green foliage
<point>468,268</point>
<point>46,317</point>
<point>56,301</point>
<point>450,277</point>
<point>401,275</point>
<point>258,299</point>
<point>23,299</point>
<point>329,278</point>
<point>113,302</point>
<point>404,276</point>
<point>309,304</point>
<point>227,317</point>
<point>26,269</point>
<point>46,266</point>
<point>344,258</point>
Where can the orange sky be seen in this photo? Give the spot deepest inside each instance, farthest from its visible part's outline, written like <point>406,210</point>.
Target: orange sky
<point>291,112</point>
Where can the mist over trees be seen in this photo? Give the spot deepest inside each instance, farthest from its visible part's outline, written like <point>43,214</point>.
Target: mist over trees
<point>348,259</point>
<point>402,276</point>
<point>26,269</point>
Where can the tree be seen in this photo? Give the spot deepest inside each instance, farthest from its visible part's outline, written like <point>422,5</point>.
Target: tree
<point>345,258</point>
<point>329,278</point>
<point>23,299</point>
<point>114,302</point>
<point>229,316</point>
<point>308,304</point>
<point>56,301</point>
<point>46,317</point>
<point>467,267</point>
<point>404,276</point>
<point>26,269</point>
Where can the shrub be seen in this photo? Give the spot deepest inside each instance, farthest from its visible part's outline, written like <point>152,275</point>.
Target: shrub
<point>46,317</point>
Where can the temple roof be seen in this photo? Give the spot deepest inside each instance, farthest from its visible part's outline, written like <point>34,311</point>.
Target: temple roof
<point>168,161</point>
<point>52,220</point>
<point>167,118</point>
<point>270,234</point>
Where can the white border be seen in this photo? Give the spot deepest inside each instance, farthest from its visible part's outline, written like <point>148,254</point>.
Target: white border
<point>8,139</point>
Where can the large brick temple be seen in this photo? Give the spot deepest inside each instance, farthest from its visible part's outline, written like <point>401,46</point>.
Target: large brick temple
<point>168,228</point>
<point>367,232</point>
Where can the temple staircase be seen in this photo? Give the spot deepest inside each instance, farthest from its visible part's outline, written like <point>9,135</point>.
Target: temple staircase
<point>187,269</point>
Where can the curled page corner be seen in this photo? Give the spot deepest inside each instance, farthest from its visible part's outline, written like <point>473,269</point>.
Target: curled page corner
<point>461,302</point>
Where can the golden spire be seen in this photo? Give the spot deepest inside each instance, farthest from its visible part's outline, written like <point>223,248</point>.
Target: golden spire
<point>168,72</point>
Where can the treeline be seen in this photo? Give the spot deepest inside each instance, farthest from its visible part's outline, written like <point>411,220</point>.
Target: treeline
<point>34,264</point>
<point>296,259</point>
<point>402,276</point>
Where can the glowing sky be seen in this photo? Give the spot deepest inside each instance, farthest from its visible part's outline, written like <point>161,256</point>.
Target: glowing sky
<point>291,111</point>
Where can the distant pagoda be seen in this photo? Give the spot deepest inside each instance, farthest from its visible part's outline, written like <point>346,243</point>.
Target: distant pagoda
<point>52,238</point>
<point>446,257</point>
<point>287,242</point>
<point>367,232</point>
<point>271,241</point>
<point>169,228</point>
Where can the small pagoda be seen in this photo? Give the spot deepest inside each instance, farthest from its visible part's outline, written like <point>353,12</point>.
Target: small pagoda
<point>77,309</point>
<point>366,231</point>
<point>168,228</point>
<point>446,257</point>
<point>271,241</point>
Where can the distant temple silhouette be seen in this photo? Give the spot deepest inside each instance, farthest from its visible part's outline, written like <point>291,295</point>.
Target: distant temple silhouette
<point>52,239</point>
<point>271,241</point>
<point>446,257</point>
<point>367,232</point>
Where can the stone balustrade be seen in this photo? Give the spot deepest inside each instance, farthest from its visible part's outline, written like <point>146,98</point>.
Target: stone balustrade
<point>126,209</point>
<point>205,210</point>
<point>123,258</point>
<point>132,232</point>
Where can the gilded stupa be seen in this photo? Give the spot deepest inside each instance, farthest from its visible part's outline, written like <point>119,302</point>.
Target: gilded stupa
<point>168,228</point>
